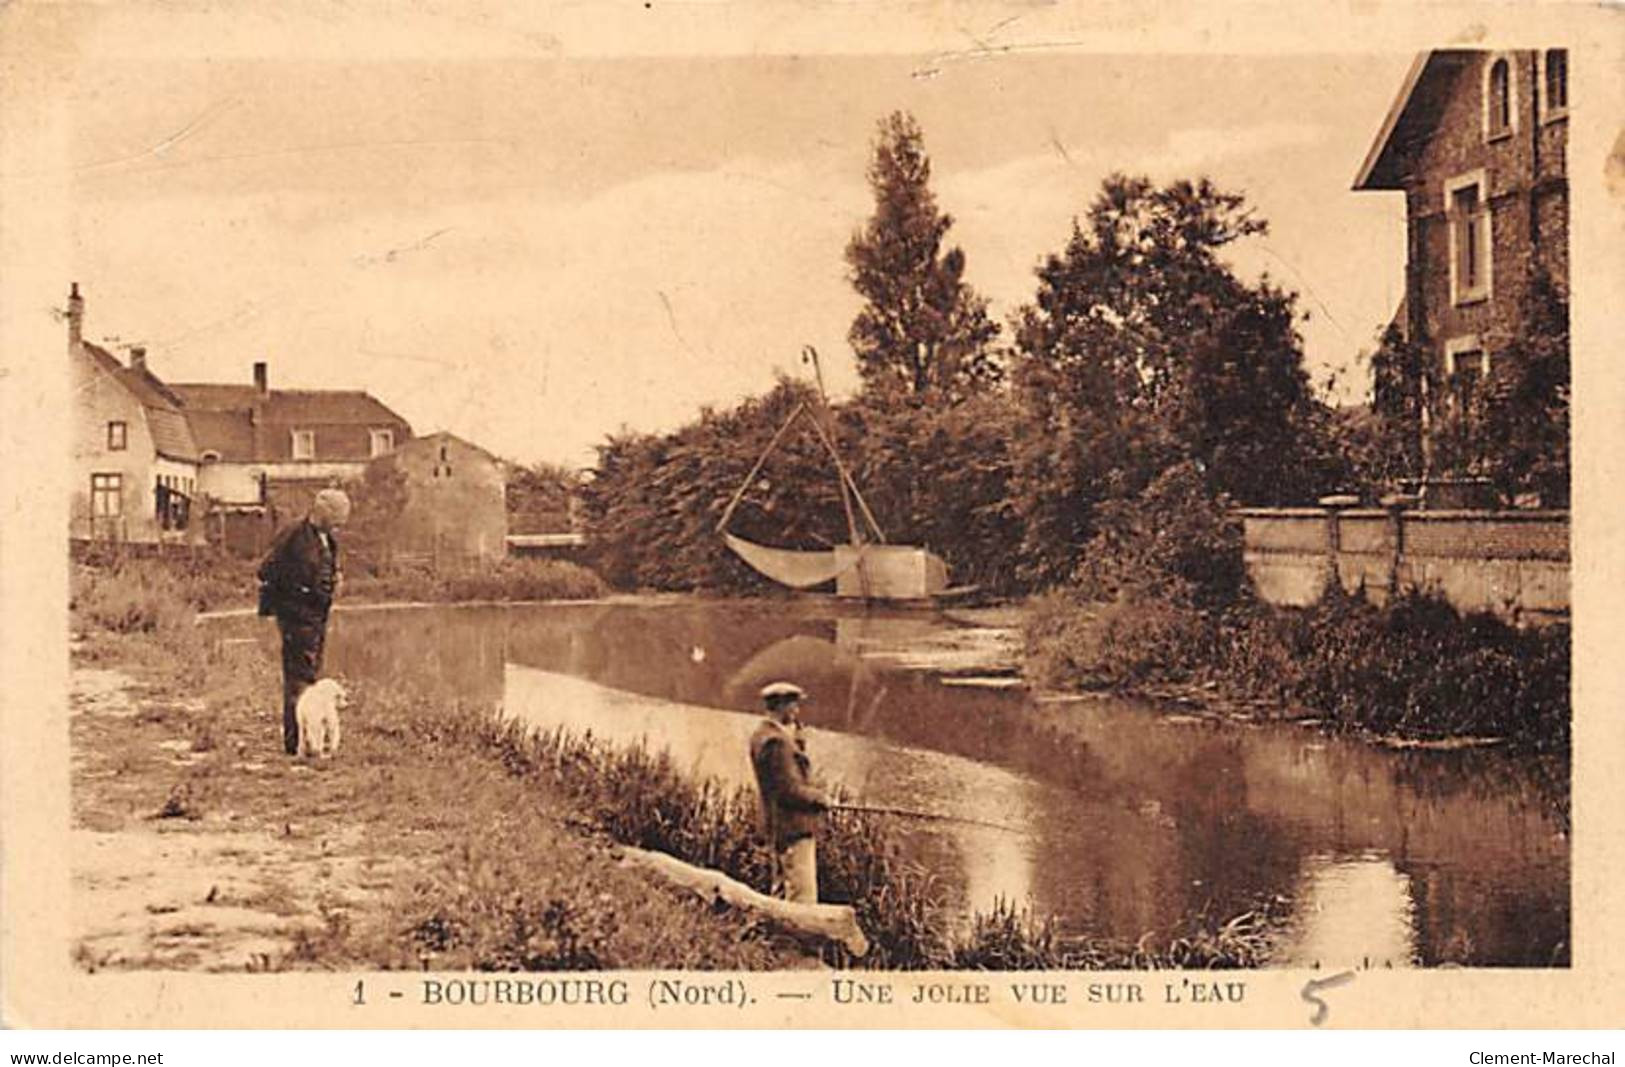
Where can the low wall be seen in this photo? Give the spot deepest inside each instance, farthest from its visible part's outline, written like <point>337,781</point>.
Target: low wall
<point>1512,563</point>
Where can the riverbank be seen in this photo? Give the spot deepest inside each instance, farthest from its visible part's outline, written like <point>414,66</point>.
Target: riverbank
<point>196,844</point>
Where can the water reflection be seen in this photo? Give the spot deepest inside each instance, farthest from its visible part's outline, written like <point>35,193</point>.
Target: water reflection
<point>1351,913</point>
<point>980,864</point>
<point>1135,820</point>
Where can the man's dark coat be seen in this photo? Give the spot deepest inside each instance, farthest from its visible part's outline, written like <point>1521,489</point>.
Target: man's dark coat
<point>791,804</point>
<point>297,581</point>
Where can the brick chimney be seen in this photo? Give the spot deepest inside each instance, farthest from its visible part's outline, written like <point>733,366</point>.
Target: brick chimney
<point>138,357</point>
<point>262,382</point>
<point>76,317</point>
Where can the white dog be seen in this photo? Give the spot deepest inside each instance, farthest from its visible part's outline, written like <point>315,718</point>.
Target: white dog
<point>318,712</point>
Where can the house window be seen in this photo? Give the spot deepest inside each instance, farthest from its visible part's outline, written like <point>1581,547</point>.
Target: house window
<point>383,441</point>
<point>1498,102</point>
<point>106,495</point>
<point>118,436</point>
<point>304,444</point>
<point>1554,81</point>
<point>1468,216</point>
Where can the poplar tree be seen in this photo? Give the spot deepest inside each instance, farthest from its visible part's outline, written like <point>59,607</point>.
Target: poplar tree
<point>923,332</point>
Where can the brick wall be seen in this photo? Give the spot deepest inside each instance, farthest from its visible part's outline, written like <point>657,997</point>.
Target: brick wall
<point>1512,563</point>
<point>1526,189</point>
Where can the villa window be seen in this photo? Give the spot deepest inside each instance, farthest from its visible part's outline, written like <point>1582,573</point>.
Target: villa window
<point>1498,102</point>
<point>1468,214</point>
<point>118,436</point>
<point>1554,81</point>
<point>1466,365</point>
<point>304,444</point>
<point>383,442</point>
<point>106,495</point>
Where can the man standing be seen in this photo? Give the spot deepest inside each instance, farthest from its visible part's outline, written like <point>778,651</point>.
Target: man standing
<point>297,582</point>
<point>791,804</point>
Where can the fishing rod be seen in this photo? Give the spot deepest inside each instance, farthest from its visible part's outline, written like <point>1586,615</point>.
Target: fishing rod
<point>910,813</point>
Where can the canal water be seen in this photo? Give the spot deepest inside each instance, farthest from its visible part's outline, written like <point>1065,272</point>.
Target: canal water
<point>1119,817</point>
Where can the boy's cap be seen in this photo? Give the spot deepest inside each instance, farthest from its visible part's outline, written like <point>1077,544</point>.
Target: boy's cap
<point>776,693</point>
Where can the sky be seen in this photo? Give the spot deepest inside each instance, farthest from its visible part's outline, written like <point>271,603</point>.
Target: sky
<point>533,253</point>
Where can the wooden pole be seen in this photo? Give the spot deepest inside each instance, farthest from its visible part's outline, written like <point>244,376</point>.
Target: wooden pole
<point>910,813</point>
<point>810,354</point>
<point>727,512</point>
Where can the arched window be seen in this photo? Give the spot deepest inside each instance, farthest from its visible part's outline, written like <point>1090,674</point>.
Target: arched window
<point>1556,64</point>
<point>1498,99</point>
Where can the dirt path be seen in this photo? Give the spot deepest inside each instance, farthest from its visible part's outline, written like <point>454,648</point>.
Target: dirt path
<point>164,875</point>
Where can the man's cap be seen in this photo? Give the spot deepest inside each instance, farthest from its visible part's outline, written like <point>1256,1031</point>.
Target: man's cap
<point>781,692</point>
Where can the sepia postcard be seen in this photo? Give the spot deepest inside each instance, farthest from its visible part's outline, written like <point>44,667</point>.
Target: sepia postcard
<point>682,514</point>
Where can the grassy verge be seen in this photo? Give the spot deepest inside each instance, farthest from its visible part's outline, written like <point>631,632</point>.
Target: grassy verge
<point>125,593</point>
<point>1413,668</point>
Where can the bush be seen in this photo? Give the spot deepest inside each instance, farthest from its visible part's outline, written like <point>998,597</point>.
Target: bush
<point>131,597</point>
<point>506,579</point>
<point>524,579</point>
<point>115,589</point>
<point>1414,667</point>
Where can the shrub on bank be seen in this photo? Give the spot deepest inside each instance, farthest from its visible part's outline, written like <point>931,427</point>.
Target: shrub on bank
<point>1414,667</point>
<point>1074,644</point>
<point>112,588</point>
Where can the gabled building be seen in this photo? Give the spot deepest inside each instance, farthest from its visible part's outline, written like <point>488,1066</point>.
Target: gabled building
<point>1477,143</point>
<point>151,456</point>
<point>261,447</point>
<point>136,463</point>
<point>454,500</point>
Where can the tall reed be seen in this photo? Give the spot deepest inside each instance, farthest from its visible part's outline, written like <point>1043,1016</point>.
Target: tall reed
<point>640,799</point>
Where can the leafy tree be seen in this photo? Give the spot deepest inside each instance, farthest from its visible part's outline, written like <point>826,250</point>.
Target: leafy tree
<point>653,505</point>
<point>1401,381</point>
<point>1141,350</point>
<point>540,498</point>
<point>377,499</point>
<point>923,332</point>
<point>940,477</point>
<point>1521,414</point>
<point>1511,429</point>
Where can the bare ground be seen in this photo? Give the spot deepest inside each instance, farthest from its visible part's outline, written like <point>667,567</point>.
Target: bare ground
<point>161,880</point>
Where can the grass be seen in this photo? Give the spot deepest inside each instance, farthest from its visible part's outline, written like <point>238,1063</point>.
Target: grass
<point>503,580</point>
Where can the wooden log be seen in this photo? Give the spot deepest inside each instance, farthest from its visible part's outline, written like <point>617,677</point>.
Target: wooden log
<point>837,922</point>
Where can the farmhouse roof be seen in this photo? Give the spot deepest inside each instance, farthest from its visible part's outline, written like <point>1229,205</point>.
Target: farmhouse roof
<point>171,435</point>
<point>221,414</point>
